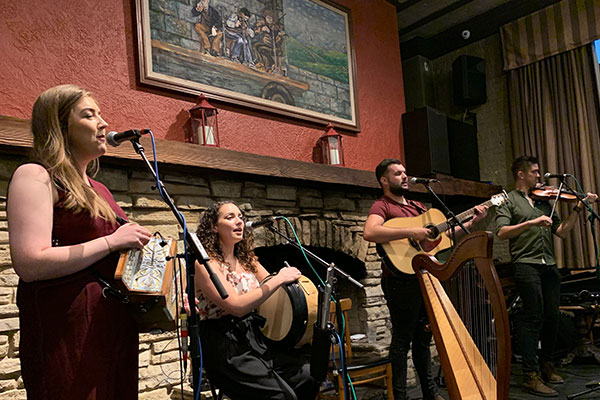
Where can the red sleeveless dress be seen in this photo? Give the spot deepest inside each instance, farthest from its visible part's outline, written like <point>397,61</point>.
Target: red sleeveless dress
<point>76,343</point>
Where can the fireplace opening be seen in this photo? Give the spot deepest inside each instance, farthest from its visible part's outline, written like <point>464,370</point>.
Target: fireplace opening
<point>273,257</point>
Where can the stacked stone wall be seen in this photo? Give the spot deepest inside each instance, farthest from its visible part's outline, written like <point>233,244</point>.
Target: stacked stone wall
<point>322,215</point>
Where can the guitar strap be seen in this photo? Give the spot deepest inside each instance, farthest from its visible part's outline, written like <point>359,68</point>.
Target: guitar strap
<point>416,205</point>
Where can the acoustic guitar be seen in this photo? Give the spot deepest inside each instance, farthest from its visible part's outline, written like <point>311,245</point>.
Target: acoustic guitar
<point>401,251</point>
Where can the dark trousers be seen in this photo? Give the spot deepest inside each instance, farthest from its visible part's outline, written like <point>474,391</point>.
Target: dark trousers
<point>409,318</point>
<point>539,288</point>
<point>238,362</point>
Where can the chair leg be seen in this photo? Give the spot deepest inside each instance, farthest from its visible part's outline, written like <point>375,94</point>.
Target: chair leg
<point>388,382</point>
<point>213,391</point>
<point>341,393</point>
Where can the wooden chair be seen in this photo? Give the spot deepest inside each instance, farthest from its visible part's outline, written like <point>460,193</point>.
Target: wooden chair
<point>363,370</point>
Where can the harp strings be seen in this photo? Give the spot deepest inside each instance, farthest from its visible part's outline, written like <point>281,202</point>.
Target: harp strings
<point>470,299</point>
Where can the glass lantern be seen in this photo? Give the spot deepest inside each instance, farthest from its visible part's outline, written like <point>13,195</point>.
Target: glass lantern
<point>205,126</point>
<point>331,147</point>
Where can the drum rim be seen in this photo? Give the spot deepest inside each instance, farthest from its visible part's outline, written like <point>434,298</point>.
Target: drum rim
<point>299,304</point>
<point>299,307</point>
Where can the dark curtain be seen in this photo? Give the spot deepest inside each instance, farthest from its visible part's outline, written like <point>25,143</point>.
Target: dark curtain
<point>555,116</point>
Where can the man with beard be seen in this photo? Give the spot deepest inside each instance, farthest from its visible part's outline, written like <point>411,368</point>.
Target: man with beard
<point>526,222</point>
<point>401,291</point>
<point>268,41</point>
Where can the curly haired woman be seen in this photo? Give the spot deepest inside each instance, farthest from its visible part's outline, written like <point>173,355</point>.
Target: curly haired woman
<point>236,358</point>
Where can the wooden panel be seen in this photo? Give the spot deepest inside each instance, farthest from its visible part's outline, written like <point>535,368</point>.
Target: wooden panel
<point>15,137</point>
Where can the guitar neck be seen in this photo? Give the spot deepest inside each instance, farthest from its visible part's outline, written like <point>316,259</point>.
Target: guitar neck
<point>463,216</point>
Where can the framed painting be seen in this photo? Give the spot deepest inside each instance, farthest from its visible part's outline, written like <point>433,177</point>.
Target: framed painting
<point>290,57</point>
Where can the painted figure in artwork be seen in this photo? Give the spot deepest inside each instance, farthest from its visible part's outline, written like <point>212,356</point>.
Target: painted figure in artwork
<point>209,27</point>
<point>240,33</point>
<point>268,41</point>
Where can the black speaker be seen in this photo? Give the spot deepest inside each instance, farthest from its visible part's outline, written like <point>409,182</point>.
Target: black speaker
<point>468,74</point>
<point>425,142</point>
<point>418,82</point>
<point>464,153</point>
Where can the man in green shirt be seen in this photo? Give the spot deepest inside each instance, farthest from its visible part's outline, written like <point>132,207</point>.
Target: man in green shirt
<point>527,224</point>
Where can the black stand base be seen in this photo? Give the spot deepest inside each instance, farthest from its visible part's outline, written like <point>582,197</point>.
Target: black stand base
<point>593,386</point>
<point>319,360</point>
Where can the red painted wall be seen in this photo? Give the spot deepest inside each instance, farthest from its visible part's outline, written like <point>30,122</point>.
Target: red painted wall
<point>92,44</point>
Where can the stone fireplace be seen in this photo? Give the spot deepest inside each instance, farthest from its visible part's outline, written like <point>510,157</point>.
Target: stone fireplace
<point>328,221</point>
<point>326,206</point>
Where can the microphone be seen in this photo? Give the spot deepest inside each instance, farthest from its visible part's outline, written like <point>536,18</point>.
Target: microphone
<point>424,181</point>
<point>548,175</point>
<point>263,222</point>
<point>116,138</point>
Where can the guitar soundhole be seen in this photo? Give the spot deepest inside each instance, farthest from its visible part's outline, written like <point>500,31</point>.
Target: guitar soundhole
<point>432,241</point>
<point>434,231</point>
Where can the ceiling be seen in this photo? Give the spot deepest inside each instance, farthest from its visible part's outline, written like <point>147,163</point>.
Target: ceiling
<point>433,28</point>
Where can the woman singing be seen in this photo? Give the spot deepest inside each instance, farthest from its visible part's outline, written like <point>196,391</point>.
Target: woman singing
<point>64,236</point>
<point>235,356</point>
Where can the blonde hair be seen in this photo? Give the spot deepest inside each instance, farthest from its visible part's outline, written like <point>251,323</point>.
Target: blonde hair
<point>50,126</point>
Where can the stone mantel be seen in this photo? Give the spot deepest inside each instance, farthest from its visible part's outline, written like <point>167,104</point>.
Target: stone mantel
<point>15,137</point>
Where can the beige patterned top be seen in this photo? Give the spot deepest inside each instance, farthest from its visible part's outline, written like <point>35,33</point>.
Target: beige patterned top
<point>241,282</point>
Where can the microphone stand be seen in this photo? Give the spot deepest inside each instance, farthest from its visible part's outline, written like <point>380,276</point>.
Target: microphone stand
<point>322,330</point>
<point>592,388</point>
<point>316,257</point>
<point>199,254</point>
<point>452,217</point>
<point>593,216</point>
<point>321,327</point>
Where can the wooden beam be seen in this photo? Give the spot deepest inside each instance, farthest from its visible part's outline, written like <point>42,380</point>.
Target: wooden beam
<point>15,137</point>
<point>403,5</point>
<point>433,16</point>
<point>480,26</point>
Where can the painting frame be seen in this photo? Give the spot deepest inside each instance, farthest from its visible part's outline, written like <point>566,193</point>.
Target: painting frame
<point>320,92</point>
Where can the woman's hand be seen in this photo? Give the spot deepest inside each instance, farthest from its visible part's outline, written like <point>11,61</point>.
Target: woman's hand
<point>128,236</point>
<point>186,304</point>
<point>288,274</point>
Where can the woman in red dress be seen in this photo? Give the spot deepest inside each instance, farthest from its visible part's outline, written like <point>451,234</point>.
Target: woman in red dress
<point>75,342</point>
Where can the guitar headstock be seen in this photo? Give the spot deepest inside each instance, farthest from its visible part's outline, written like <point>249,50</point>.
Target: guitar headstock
<point>499,198</point>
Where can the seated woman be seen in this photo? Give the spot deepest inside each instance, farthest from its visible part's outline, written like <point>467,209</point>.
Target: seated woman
<point>235,356</point>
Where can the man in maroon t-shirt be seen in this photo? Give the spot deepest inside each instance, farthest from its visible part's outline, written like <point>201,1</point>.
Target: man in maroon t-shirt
<point>401,291</point>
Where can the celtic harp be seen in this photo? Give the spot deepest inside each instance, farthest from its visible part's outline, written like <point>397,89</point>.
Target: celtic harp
<point>468,318</point>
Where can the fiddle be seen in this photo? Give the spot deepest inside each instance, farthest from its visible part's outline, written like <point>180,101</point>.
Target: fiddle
<point>551,192</point>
